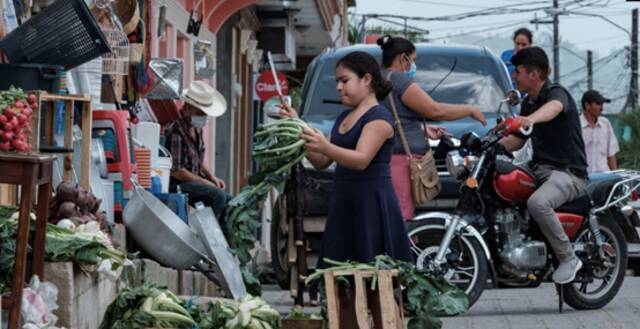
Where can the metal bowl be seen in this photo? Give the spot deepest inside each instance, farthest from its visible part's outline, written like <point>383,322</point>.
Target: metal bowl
<point>160,233</point>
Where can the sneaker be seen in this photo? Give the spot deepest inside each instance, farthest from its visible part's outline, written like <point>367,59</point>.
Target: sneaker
<point>567,270</point>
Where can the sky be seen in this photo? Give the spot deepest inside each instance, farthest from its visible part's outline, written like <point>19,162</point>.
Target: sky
<point>578,33</point>
<point>582,31</point>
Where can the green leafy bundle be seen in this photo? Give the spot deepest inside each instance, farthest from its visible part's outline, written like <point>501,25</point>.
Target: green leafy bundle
<point>61,245</point>
<point>277,148</point>
<point>146,306</point>
<point>249,313</point>
<point>425,294</point>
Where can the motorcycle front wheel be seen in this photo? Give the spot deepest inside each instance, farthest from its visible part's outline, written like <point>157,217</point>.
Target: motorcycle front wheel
<point>466,264</point>
<point>596,283</point>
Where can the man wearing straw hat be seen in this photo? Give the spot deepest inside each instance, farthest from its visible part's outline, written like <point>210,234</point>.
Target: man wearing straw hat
<point>183,139</point>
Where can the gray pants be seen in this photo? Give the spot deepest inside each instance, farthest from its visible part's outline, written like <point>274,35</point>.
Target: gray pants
<point>558,188</point>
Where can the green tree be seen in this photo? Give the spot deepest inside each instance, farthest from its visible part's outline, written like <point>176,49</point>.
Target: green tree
<point>629,156</point>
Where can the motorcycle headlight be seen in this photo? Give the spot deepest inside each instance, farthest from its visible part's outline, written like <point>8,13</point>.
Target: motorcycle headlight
<point>456,164</point>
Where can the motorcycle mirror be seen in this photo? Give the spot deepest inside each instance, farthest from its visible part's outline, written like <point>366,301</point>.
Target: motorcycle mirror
<point>512,97</point>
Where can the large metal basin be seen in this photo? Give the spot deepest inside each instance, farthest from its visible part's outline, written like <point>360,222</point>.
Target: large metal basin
<point>160,233</point>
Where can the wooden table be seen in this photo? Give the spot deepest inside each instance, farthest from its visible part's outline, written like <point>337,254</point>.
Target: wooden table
<point>29,171</point>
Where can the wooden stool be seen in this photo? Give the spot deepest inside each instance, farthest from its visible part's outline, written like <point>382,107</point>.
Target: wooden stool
<point>388,305</point>
<point>28,171</point>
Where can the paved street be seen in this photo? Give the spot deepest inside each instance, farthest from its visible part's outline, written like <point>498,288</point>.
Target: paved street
<point>528,308</point>
<point>538,308</point>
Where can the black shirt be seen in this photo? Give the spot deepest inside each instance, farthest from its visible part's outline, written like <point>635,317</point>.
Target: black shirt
<point>557,142</point>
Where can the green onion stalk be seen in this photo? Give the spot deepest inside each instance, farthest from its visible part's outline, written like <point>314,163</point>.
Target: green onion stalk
<point>277,147</point>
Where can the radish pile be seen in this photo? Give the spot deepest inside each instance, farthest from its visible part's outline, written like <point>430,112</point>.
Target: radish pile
<point>15,119</point>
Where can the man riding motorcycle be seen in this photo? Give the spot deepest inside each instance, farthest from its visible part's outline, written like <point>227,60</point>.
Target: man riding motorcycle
<point>559,161</point>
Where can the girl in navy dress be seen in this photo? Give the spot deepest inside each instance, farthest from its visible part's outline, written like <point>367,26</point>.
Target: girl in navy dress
<point>364,218</point>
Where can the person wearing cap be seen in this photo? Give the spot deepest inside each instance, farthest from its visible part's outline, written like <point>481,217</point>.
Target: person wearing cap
<point>184,140</point>
<point>559,162</point>
<point>600,141</point>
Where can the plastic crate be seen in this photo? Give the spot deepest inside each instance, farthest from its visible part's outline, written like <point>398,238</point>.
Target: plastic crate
<point>64,33</point>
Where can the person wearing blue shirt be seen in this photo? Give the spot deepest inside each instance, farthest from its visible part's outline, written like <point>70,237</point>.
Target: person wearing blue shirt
<point>522,38</point>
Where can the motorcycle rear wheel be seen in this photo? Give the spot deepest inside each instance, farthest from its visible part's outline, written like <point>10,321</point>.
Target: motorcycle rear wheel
<point>472,271</point>
<point>607,282</point>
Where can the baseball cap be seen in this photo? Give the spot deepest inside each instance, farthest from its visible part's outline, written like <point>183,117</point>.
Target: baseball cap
<point>592,96</point>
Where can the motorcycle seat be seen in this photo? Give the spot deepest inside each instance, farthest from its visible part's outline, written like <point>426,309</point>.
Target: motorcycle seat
<point>597,190</point>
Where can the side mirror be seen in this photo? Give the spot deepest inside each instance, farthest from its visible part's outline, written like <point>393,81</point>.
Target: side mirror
<point>513,97</point>
<point>271,106</point>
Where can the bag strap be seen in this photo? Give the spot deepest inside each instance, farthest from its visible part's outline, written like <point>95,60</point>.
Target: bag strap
<point>392,102</point>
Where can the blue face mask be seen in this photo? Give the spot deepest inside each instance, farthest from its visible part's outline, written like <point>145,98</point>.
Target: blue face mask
<point>199,121</point>
<point>413,69</point>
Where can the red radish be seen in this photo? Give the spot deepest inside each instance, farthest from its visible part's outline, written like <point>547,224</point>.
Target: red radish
<point>32,99</point>
<point>19,104</point>
<point>5,146</point>
<point>22,118</point>
<point>27,111</point>
<point>18,145</point>
<point>8,136</point>
<point>8,126</point>
<point>8,112</point>
<point>14,121</point>
<point>3,119</point>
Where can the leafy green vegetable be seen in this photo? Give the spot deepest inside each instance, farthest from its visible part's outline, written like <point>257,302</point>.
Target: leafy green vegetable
<point>146,306</point>
<point>61,245</point>
<point>277,148</point>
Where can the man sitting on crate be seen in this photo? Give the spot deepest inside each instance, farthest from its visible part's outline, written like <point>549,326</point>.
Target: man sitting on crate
<point>184,140</point>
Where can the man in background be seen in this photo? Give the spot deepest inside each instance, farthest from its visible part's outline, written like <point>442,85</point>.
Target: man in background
<point>600,141</point>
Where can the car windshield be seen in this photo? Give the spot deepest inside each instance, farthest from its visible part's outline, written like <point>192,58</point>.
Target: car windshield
<point>461,79</point>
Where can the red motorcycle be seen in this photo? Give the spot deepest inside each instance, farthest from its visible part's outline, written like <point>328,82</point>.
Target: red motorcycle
<point>491,235</point>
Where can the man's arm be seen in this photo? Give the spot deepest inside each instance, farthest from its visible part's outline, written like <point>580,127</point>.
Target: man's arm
<point>215,180</point>
<point>612,162</point>
<point>546,113</point>
<point>184,175</point>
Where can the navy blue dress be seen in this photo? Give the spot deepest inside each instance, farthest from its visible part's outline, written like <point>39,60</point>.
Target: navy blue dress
<point>364,218</point>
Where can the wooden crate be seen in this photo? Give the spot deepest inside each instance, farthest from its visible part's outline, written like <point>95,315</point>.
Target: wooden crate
<point>388,305</point>
<point>44,116</point>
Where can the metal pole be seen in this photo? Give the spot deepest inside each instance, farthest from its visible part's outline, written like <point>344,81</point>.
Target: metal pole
<point>556,45</point>
<point>590,69</point>
<point>362,32</point>
<point>633,92</point>
<point>406,36</point>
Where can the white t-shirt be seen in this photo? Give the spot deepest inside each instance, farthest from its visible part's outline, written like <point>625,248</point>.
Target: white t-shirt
<point>600,142</point>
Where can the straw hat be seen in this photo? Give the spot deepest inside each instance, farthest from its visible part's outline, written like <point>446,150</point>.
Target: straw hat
<point>128,13</point>
<point>205,98</point>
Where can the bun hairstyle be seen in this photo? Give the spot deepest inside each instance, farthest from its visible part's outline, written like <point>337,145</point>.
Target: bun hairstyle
<point>361,63</point>
<point>394,46</point>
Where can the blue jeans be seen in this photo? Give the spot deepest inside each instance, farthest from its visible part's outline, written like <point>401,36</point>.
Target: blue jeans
<point>211,196</point>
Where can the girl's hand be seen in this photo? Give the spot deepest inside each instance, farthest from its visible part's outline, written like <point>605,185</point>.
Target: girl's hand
<point>477,115</point>
<point>435,132</point>
<point>286,111</point>
<point>316,142</point>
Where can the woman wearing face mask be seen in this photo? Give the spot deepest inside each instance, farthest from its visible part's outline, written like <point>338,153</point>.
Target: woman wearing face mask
<point>413,104</point>
<point>184,140</point>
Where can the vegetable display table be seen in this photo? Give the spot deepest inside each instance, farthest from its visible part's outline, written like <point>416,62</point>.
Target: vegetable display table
<point>29,171</point>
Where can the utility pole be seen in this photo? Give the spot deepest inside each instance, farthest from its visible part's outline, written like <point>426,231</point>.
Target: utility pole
<point>556,45</point>
<point>633,86</point>
<point>362,32</point>
<point>556,38</point>
<point>590,69</point>
<point>406,36</point>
